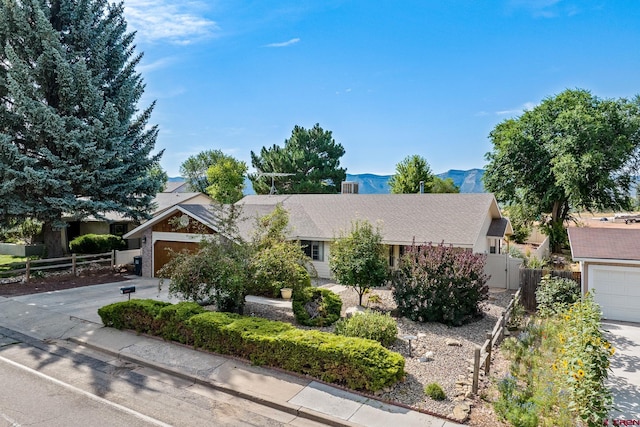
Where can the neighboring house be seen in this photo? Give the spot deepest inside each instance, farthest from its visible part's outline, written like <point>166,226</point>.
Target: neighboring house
<point>610,264</point>
<point>177,187</point>
<point>114,223</point>
<point>469,221</point>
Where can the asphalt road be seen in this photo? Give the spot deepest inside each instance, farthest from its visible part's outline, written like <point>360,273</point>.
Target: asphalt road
<point>62,384</point>
<point>30,398</point>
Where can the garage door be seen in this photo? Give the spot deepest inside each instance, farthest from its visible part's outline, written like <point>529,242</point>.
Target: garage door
<point>617,290</point>
<point>161,254</point>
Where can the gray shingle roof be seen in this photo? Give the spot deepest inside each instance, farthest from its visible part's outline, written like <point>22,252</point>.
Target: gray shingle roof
<point>605,243</point>
<point>453,218</point>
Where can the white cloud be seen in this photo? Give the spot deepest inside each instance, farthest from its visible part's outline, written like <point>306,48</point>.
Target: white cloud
<point>548,8</point>
<point>284,44</point>
<point>178,22</point>
<point>525,107</point>
<point>146,68</point>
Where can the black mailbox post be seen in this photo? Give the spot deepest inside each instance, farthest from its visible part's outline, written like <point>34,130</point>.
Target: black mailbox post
<point>127,290</point>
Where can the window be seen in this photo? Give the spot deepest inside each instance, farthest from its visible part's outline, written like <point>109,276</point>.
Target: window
<point>391,257</point>
<point>117,229</point>
<point>313,249</point>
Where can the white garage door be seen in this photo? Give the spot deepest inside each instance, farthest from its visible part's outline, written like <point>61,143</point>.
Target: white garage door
<point>617,290</point>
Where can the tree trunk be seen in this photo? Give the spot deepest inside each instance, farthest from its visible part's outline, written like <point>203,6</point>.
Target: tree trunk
<point>52,240</point>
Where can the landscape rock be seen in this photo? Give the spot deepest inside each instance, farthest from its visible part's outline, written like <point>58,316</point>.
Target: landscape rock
<point>461,411</point>
<point>453,343</point>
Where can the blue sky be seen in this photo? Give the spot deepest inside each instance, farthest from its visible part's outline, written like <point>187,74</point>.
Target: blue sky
<point>388,78</point>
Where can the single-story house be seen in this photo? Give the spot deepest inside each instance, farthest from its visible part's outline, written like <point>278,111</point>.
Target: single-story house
<point>469,221</point>
<point>610,264</point>
<point>116,224</point>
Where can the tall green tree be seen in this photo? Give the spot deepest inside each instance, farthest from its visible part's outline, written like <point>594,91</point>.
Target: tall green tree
<point>195,169</point>
<point>409,173</point>
<point>412,171</point>
<point>357,259</point>
<point>226,178</point>
<point>573,151</point>
<point>439,185</point>
<point>215,173</point>
<point>311,156</point>
<point>72,140</point>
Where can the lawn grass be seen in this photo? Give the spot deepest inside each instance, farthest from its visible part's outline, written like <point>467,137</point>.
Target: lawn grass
<point>7,261</point>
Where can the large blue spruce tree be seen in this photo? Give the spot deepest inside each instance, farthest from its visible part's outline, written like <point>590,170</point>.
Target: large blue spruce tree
<point>72,140</point>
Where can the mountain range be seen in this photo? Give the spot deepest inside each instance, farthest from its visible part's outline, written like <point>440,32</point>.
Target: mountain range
<point>469,181</point>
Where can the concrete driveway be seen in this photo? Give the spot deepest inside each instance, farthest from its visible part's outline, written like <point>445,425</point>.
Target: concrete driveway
<point>624,380</point>
<point>84,302</point>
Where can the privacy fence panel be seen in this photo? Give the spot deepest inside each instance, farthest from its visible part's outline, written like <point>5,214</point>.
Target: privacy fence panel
<point>530,279</point>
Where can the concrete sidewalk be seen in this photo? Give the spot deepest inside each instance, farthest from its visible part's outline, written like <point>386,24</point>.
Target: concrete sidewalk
<point>299,396</point>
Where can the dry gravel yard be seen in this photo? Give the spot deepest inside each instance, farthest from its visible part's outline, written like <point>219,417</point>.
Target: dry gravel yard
<point>440,354</point>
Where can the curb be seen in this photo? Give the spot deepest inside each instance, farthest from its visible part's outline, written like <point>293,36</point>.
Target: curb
<point>295,410</point>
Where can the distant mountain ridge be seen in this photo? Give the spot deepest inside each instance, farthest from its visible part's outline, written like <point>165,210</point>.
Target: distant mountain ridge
<point>469,181</point>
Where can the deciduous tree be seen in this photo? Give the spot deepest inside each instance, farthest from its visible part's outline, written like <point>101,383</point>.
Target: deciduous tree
<point>410,172</point>
<point>72,140</point>
<point>357,258</point>
<point>226,178</point>
<point>573,151</point>
<point>414,170</point>
<point>311,156</point>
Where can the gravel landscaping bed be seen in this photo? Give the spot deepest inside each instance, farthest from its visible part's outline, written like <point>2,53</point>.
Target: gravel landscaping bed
<point>440,353</point>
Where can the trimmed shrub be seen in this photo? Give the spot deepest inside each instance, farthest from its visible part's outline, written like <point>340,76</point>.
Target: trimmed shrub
<point>356,363</point>
<point>141,315</point>
<point>96,243</point>
<point>435,392</point>
<point>371,325</point>
<point>173,319</point>
<point>555,294</point>
<point>316,306</point>
<point>440,284</point>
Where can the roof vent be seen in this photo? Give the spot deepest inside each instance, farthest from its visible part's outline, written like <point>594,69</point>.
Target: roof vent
<point>349,187</point>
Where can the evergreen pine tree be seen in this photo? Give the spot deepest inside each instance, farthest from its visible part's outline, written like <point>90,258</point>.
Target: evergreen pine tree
<point>310,156</point>
<point>72,141</point>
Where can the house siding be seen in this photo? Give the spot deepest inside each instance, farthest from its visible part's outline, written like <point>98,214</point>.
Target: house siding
<point>322,267</point>
<point>481,245</point>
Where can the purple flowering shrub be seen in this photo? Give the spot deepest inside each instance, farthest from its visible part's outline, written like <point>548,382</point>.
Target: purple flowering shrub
<point>439,283</point>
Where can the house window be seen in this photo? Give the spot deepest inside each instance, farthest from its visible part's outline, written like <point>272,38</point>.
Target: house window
<point>391,257</point>
<point>117,229</point>
<point>313,249</point>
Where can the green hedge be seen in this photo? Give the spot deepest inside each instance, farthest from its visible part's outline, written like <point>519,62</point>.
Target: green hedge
<point>357,363</point>
<point>96,243</point>
<point>141,315</point>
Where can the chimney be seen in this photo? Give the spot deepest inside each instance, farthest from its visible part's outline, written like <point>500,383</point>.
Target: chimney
<point>349,187</point>
<point>421,187</point>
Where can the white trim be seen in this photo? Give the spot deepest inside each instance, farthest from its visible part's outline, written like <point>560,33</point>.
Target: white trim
<point>133,233</point>
<point>178,237</point>
<point>608,261</point>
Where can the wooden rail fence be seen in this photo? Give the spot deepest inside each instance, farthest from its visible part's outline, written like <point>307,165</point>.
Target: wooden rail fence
<point>482,355</point>
<point>72,262</point>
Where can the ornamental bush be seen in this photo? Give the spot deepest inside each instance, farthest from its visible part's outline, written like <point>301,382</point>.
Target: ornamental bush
<point>555,294</point>
<point>356,363</point>
<point>96,243</point>
<point>316,306</point>
<point>370,324</point>
<point>440,284</point>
